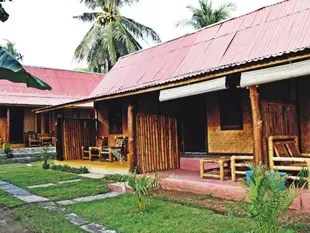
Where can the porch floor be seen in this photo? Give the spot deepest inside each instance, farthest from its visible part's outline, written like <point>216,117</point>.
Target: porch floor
<point>98,166</point>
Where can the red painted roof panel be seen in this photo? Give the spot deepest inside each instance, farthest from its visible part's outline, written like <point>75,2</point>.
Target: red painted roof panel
<point>66,86</point>
<point>271,31</point>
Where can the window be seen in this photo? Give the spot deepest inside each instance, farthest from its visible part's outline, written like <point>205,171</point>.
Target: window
<point>38,123</point>
<point>231,113</point>
<point>115,119</point>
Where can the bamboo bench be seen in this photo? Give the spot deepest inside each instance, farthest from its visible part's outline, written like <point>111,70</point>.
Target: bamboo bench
<point>238,162</point>
<point>222,161</point>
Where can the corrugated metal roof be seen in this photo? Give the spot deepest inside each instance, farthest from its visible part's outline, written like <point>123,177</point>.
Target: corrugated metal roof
<point>268,32</point>
<point>67,86</point>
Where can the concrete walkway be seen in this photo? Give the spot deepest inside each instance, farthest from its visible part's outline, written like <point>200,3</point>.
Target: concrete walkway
<point>73,218</point>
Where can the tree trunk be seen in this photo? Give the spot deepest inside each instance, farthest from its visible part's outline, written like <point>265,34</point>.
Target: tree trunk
<point>257,126</point>
<point>131,138</point>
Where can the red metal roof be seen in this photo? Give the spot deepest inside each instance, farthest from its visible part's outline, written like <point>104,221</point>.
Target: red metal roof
<point>66,86</point>
<point>268,32</point>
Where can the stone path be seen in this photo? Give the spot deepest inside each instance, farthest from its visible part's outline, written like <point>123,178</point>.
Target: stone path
<point>73,218</point>
<point>53,184</point>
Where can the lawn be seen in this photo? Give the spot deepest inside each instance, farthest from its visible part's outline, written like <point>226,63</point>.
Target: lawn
<point>36,218</point>
<point>24,176</point>
<point>6,200</point>
<point>122,215</point>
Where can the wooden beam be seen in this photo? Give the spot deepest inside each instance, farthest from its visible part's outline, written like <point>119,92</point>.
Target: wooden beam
<point>8,126</point>
<point>257,125</point>
<point>176,83</point>
<point>131,138</point>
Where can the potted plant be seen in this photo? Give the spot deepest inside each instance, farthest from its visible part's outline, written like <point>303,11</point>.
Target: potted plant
<point>45,154</point>
<point>8,150</point>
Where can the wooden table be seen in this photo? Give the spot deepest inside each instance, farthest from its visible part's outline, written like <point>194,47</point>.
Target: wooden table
<point>222,161</point>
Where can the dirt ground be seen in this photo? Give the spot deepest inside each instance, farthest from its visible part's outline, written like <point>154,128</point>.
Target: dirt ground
<point>10,224</point>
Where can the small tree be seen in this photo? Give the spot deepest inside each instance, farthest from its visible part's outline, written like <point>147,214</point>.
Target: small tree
<point>268,202</point>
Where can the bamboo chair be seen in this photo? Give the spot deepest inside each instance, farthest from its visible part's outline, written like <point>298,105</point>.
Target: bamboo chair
<point>120,146</point>
<point>88,152</point>
<point>238,165</point>
<point>33,139</point>
<point>284,155</point>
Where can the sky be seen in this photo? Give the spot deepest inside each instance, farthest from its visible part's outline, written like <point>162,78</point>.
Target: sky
<point>47,35</point>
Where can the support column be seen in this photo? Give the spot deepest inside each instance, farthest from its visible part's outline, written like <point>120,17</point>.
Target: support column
<point>131,138</point>
<point>257,125</point>
<point>8,125</point>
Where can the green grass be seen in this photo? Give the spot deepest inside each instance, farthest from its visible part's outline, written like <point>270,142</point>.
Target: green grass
<point>7,200</point>
<point>85,187</point>
<point>24,176</point>
<point>122,215</point>
<point>40,220</point>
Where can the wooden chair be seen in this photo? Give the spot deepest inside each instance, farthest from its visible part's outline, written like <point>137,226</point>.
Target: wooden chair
<point>120,146</point>
<point>284,155</point>
<point>88,152</point>
<point>239,165</point>
<point>33,139</point>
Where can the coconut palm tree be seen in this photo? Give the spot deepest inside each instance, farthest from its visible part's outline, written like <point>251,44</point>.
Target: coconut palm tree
<point>10,47</point>
<point>206,14</point>
<point>111,35</point>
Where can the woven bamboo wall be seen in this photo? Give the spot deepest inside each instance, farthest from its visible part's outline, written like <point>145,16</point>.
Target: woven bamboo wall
<point>29,120</point>
<point>228,141</point>
<point>77,133</point>
<point>3,128</point>
<point>156,143</point>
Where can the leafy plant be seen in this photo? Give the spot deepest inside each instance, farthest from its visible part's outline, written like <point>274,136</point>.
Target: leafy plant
<point>268,202</point>
<point>119,156</point>
<point>66,168</point>
<point>116,177</point>
<point>8,150</point>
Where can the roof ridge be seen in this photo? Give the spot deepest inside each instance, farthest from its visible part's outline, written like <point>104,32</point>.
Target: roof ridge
<point>201,29</point>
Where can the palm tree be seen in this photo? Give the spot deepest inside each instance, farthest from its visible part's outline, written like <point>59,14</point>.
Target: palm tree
<point>111,36</point>
<point>10,47</point>
<point>206,15</point>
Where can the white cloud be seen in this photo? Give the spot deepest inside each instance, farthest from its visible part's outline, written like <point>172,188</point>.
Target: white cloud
<point>46,34</point>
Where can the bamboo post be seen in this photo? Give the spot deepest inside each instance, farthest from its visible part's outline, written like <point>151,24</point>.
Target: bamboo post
<point>257,126</point>
<point>233,168</point>
<point>8,125</point>
<point>131,138</point>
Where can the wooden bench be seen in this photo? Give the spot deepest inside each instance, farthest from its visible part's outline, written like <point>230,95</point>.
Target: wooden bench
<point>238,165</point>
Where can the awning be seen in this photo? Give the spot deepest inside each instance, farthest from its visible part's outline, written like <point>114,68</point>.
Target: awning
<point>193,89</point>
<point>274,74</point>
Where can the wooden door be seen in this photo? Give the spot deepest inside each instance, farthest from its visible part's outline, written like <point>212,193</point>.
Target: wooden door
<point>278,119</point>
<point>156,143</point>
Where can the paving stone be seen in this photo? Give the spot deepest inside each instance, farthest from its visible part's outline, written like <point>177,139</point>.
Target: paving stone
<point>32,198</point>
<point>94,228</point>
<point>93,175</point>
<point>41,185</point>
<point>49,203</point>
<point>14,190</point>
<point>76,219</point>
<point>69,181</point>
<point>65,202</point>
<point>55,209</point>
<point>96,197</point>
<point>3,183</point>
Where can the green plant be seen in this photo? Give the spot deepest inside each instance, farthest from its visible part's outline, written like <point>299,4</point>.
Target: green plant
<point>116,177</point>
<point>66,168</point>
<point>141,186</point>
<point>268,202</point>
<point>119,156</point>
<point>8,150</point>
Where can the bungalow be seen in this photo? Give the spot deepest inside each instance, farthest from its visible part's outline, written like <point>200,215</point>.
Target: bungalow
<point>222,90</point>
<point>17,103</point>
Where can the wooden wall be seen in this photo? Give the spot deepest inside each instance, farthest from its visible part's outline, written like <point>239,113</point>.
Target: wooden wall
<point>304,113</point>
<point>29,120</point>
<point>3,128</point>
<point>228,141</point>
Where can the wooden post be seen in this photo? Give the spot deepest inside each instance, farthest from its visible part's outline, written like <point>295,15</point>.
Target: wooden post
<point>257,126</point>
<point>8,126</point>
<point>131,138</point>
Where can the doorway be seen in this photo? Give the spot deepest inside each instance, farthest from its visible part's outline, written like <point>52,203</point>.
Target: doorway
<point>193,115</point>
<point>17,125</point>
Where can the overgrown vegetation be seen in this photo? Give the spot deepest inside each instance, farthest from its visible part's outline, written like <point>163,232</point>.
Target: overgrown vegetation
<point>268,202</point>
<point>6,200</point>
<point>8,150</point>
<point>66,168</point>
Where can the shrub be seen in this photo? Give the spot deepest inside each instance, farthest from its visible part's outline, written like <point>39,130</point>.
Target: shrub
<point>66,168</point>
<point>8,150</point>
<point>116,177</point>
<point>268,202</point>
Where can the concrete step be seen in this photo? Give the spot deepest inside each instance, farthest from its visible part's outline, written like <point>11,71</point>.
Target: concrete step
<point>20,160</point>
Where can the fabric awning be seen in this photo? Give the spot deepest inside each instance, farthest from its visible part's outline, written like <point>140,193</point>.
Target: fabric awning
<point>274,74</point>
<point>193,89</point>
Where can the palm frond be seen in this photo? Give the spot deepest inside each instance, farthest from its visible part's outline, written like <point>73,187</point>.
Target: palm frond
<point>92,4</point>
<point>88,16</point>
